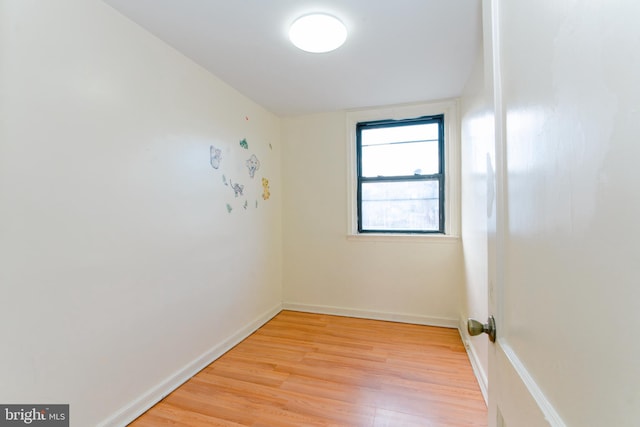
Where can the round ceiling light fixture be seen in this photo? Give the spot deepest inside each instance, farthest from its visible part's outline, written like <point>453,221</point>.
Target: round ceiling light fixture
<point>317,33</point>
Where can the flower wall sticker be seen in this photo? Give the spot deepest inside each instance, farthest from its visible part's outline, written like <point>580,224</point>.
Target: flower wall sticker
<point>244,144</point>
<point>253,164</point>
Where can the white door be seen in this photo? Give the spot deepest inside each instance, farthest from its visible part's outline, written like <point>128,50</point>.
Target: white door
<point>512,392</point>
<point>564,263</point>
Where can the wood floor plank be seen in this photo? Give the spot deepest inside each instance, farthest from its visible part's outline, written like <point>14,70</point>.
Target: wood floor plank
<point>303,369</point>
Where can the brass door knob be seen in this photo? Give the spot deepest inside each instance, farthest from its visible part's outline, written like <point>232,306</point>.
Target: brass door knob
<point>476,328</point>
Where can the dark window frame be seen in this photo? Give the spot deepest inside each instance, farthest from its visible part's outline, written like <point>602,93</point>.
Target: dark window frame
<point>440,176</point>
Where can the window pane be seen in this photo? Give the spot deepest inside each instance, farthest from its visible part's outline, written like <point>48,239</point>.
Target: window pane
<point>400,206</point>
<point>400,133</point>
<point>401,159</point>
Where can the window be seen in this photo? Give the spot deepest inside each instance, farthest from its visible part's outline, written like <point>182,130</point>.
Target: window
<point>401,175</point>
<point>404,172</point>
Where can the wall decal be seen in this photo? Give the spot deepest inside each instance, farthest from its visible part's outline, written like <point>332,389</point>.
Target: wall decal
<point>215,156</point>
<point>265,189</point>
<point>234,160</point>
<point>237,188</point>
<point>253,164</point>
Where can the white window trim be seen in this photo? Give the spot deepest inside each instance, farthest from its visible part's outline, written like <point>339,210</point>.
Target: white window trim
<point>449,108</point>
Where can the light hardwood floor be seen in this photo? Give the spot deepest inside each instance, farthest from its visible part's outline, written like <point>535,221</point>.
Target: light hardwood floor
<point>304,369</point>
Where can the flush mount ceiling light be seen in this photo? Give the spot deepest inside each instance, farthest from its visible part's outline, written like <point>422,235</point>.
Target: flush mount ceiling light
<point>317,33</point>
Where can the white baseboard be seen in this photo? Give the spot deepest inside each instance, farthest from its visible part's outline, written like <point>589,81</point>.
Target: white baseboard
<point>136,408</point>
<point>375,315</point>
<point>478,370</point>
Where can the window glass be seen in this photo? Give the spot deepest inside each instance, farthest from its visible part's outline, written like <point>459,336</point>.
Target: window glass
<point>400,206</point>
<point>400,150</point>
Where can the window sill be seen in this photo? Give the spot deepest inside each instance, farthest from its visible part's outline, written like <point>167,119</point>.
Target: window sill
<point>404,238</point>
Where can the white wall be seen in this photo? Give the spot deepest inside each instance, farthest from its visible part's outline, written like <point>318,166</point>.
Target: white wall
<point>121,269</point>
<point>478,202</point>
<point>571,103</point>
<point>402,279</point>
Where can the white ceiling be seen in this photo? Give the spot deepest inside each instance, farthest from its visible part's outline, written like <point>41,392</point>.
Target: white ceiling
<point>398,51</point>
